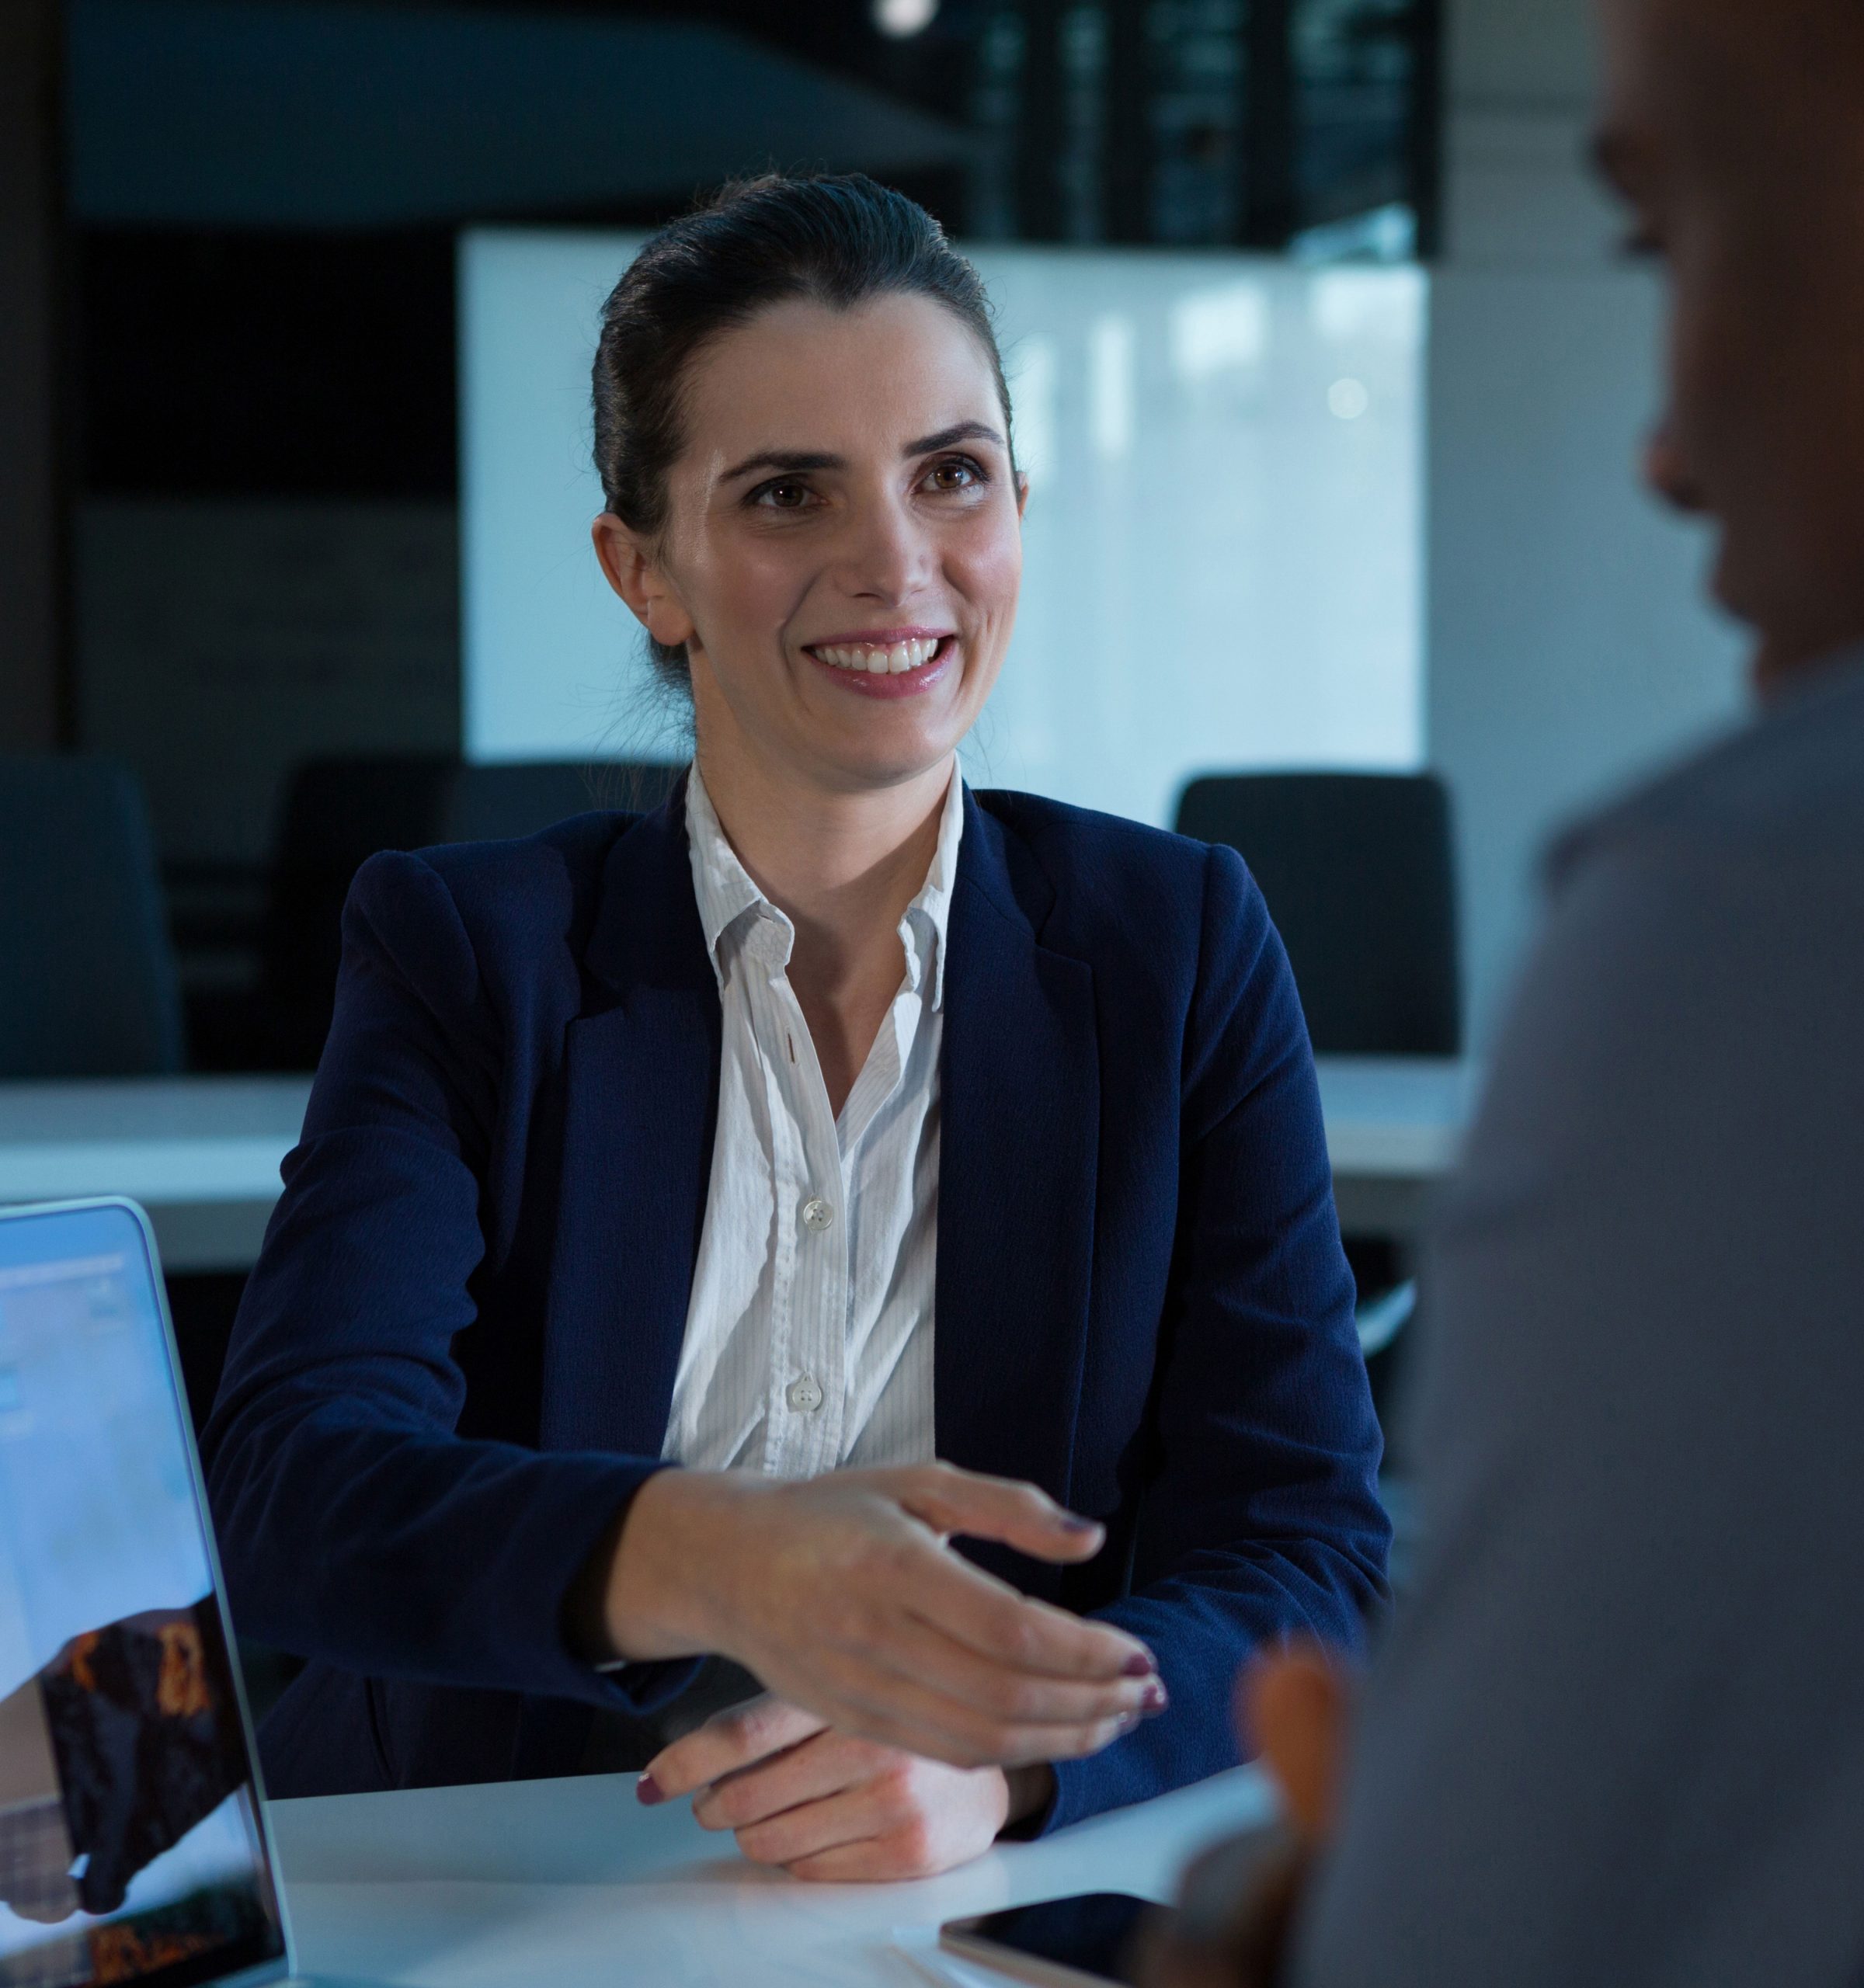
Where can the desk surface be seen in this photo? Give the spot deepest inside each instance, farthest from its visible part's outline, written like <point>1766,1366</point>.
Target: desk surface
<point>202,1154</point>
<point>573,1881</point>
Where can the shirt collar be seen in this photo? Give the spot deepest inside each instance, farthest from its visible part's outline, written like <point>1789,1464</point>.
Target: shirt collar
<point>722,885</point>
<point>929,914</point>
<point>731,905</point>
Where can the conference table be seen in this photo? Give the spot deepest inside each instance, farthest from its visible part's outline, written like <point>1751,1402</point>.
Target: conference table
<point>573,1881</point>
<point>202,1154</point>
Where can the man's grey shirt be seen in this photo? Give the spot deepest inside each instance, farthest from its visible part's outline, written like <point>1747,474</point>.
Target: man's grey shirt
<point>1617,1733</point>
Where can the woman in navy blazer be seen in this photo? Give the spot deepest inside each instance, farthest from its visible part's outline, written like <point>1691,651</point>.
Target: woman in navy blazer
<point>438,1459</point>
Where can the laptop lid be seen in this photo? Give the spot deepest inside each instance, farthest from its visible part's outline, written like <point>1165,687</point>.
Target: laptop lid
<point>132,1841</point>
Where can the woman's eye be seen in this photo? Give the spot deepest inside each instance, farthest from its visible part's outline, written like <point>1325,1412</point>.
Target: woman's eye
<point>784,495</point>
<point>959,473</point>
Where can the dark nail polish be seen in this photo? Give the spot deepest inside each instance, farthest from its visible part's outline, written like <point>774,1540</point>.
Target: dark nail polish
<point>1139,1665</point>
<point>649,1791</point>
<point>1071,1523</point>
<point>1154,1698</point>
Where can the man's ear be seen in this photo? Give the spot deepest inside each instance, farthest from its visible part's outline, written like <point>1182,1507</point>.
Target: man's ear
<point>629,565</point>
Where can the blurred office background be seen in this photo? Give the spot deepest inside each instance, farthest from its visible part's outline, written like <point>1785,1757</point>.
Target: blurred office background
<point>1329,376</point>
<point>1330,382</point>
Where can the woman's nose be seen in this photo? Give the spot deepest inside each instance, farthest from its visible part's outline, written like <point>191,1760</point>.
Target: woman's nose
<point>888,556</point>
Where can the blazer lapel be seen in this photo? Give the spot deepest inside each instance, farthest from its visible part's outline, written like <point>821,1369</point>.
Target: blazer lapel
<point>1018,1159</point>
<point>641,1085</point>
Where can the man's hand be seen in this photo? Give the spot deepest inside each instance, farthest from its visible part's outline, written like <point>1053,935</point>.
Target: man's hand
<point>824,1806</point>
<point>1293,1707</point>
<point>842,1595</point>
<point>1241,1899</point>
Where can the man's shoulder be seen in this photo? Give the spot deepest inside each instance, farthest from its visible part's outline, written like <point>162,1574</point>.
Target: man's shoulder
<point>1712,922</point>
<point>1787,785</point>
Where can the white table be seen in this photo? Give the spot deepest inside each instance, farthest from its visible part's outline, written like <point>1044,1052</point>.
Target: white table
<point>202,1154</point>
<point>1394,1127</point>
<point>572,1881</point>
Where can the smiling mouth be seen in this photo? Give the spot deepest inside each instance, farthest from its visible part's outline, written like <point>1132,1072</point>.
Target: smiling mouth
<point>899,658</point>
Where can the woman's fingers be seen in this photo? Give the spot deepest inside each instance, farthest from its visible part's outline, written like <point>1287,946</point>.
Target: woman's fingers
<point>1010,1629</point>
<point>729,1742</point>
<point>873,1860</point>
<point>923,1650</point>
<point>934,1655</point>
<point>825,1765</point>
<point>873,1702</point>
<point>901,1818</point>
<point>951,1500</point>
<point>848,1817</point>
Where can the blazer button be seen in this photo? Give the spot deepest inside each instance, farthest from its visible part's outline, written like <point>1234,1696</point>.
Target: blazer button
<point>817,1214</point>
<point>803,1393</point>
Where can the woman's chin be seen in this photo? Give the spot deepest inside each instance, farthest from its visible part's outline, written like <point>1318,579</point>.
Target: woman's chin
<point>885,737</point>
<point>863,766</point>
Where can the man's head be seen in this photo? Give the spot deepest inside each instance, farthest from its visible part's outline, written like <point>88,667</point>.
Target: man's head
<point>1735,130</point>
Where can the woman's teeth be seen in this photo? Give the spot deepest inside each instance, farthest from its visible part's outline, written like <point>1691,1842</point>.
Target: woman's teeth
<point>880,658</point>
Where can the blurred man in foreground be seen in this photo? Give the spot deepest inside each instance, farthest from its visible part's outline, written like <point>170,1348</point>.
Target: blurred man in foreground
<point>1618,1733</point>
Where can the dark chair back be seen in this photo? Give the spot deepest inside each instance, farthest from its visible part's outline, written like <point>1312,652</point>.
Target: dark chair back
<point>338,813</point>
<point>88,984</point>
<point>492,803</point>
<point>1360,879</point>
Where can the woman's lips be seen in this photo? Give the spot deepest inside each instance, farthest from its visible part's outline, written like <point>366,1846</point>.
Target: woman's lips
<point>901,667</point>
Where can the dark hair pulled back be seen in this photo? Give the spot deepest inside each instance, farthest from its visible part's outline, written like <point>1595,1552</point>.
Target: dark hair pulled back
<point>838,239</point>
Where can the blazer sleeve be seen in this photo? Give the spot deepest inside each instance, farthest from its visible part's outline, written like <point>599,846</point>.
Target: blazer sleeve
<point>1262,1517</point>
<point>355,1524</point>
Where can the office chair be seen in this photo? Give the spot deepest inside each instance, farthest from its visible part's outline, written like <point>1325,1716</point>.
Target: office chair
<point>490,803</point>
<point>1361,882</point>
<point>338,812</point>
<point>87,981</point>
<point>1359,875</point>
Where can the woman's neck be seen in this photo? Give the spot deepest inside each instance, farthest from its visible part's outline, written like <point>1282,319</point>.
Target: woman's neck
<point>835,861</point>
<point>843,866</point>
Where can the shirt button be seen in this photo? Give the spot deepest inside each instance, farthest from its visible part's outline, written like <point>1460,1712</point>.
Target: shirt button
<point>803,1393</point>
<point>818,1213</point>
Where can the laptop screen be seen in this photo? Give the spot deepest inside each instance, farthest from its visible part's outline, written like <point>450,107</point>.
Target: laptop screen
<point>130,1847</point>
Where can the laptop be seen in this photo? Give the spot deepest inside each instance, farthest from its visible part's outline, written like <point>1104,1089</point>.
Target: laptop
<point>133,1846</point>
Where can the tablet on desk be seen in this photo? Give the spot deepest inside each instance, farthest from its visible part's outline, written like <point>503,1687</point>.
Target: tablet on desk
<point>1089,1942</point>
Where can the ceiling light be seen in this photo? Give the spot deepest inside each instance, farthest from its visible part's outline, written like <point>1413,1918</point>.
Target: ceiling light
<point>901,18</point>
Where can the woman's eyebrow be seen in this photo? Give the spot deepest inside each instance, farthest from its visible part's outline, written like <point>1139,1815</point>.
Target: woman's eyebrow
<point>962,431</point>
<point>798,462</point>
<point>790,462</point>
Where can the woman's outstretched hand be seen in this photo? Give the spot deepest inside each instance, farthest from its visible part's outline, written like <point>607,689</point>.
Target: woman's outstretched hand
<point>841,1595</point>
<point>798,1794</point>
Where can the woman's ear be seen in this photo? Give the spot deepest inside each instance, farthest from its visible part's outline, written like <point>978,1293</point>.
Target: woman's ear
<point>1022,492</point>
<point>629,567</point>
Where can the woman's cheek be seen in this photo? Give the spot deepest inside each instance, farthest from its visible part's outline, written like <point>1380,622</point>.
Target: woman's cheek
<point>992,578</point>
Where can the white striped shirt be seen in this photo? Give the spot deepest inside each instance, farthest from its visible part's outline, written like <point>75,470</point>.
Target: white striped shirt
<point>808,1335</point>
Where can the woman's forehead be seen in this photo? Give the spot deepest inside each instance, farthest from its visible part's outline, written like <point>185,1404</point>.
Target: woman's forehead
<point>804,376</point>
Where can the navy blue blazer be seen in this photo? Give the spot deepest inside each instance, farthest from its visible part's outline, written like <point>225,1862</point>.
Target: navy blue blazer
<point>455,1358</point>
